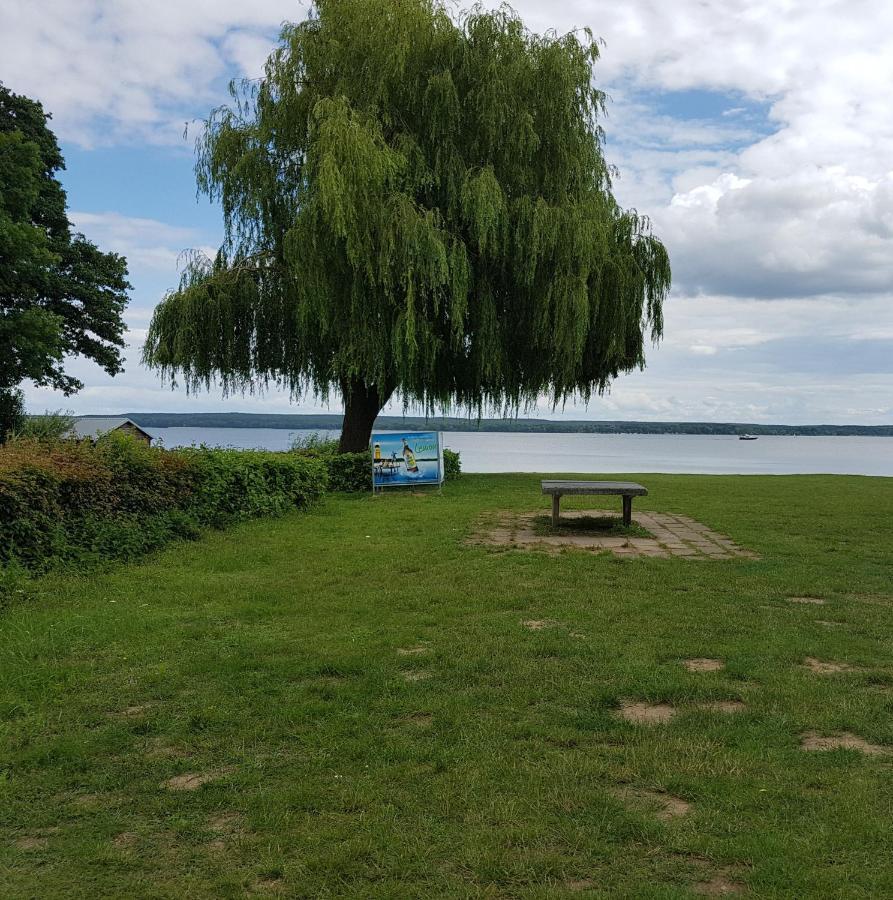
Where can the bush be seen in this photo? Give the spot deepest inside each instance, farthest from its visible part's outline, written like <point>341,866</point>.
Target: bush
<point>51,426</point>
<point>243,484</point>
<point>348,472</point>
<point>452,467</point>
<point>76,502</point>
<point>66,502</point>
<point>315,442</point>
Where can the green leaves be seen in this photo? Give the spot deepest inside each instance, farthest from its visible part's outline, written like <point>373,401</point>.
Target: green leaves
<point>483,209</point>
<point>30,341</point>
<point>417,201</point>
<point>59,294</point>
<point>64,502</point>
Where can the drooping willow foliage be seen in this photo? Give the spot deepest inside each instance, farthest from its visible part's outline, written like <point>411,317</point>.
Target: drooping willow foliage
<point>416,203</point>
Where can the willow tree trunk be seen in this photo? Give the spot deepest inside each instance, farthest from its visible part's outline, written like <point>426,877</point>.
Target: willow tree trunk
<point>362,404</point>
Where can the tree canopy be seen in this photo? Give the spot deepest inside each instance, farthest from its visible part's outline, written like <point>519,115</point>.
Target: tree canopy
<point>414,203</point>
<point>59,294</point>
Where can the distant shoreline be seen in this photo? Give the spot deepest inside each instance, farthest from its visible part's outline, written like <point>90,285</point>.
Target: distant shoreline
<point>310,422</point>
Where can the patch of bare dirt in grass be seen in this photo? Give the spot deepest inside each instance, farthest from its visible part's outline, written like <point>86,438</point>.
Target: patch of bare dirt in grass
<point>416,675</point>
<point>814,601</point>
<point>419,720</point>
<point>31,842</point>
<point>701,664</point>
<point>192,781</point>
<point>126,840</point>
<point>667,806</point>
<point>719,886</point>
<point>160,748</point>
<point>640,713</point>
<point>723,706</point>
<point>539,624</point>
<point>673,807</point>
<point>821,667</point>
<point>812,741</point>
<point>412,651</point>
<point>226,823</point>
<point>715,880</point>
<point>132,712</point>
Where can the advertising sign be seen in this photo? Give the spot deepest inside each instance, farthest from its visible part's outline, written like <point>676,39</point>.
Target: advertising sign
<point>406,458</point>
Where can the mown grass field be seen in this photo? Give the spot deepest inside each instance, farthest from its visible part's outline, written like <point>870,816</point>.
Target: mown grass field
<point>489,762</point>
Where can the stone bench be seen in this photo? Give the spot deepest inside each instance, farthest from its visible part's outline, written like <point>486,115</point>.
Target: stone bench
<point>625,489</point>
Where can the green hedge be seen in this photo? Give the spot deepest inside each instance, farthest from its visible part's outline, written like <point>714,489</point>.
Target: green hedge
<point>349,472</point>
<point>242,484</point>
<point>452,465</point>
<point>72,503</point>
<point>77,503</point>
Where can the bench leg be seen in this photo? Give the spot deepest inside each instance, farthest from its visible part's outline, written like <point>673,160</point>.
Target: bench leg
<point>556,503</point>
<point>627,511</point>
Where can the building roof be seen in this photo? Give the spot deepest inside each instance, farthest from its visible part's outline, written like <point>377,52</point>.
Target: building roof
<point>96,426</point>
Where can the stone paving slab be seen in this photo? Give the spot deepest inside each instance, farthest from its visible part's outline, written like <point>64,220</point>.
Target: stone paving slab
<point>674,535</point>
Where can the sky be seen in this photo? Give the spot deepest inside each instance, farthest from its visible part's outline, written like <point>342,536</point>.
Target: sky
<point>756,134</point>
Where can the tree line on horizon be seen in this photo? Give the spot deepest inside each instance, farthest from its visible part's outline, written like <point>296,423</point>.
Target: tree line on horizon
<point>333,422</point>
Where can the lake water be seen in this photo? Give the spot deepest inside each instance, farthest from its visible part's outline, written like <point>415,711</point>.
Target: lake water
<point>606,453</point>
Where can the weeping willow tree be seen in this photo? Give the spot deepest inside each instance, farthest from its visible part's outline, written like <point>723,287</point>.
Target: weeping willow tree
<point>415,205</point>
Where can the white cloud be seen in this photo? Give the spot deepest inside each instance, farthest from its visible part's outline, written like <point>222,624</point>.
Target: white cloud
<point>127,70</point>
<point>731,323</point>
<point>148,245</point>
<point>812,232</point>
<point>806,210</point>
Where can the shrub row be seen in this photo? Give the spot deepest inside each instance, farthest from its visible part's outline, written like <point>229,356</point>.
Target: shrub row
<point>77,503</point>
<point>352,472</point>
<point>66,502</point>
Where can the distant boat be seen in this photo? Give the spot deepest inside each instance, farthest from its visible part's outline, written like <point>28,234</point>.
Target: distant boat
<point>747,437</point>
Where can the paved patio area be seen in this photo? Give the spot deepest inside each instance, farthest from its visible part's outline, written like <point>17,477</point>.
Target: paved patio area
<point>674,535</point>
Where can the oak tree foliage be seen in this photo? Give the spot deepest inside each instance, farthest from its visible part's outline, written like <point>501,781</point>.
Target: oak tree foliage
<point>59,294</point>
<point>414,202</point>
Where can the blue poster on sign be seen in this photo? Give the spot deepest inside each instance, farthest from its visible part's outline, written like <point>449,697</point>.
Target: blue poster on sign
<point>406,458</point>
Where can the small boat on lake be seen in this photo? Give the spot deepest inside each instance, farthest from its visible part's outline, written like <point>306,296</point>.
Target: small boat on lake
<point>747,437</point>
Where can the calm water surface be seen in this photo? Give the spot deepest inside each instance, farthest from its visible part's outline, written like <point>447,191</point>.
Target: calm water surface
<point>596,453</point>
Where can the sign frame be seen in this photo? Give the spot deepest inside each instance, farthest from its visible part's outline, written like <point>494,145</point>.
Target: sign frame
<point>386,470</point>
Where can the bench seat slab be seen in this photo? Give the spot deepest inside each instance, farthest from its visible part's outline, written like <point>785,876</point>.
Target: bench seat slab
<point>625,489</point>
<point>594,487</point>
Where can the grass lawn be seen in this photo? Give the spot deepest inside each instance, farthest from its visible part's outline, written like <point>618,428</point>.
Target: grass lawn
<point>366,713</point>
